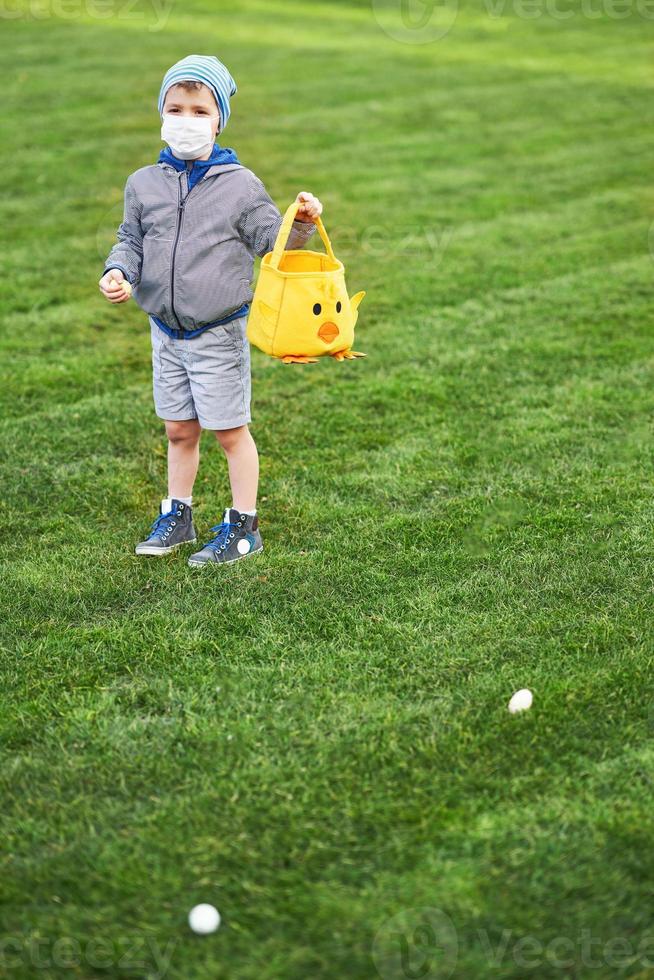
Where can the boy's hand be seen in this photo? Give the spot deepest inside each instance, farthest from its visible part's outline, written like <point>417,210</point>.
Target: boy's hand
<point>309,207</point>
<point>115,287</point>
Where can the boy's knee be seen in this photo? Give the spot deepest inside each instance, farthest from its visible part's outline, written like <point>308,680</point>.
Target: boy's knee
<point>230,438</point>
<point>186,431</point>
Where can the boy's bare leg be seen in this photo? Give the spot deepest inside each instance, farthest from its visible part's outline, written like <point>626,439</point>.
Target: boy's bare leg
<point>174,526</point>
<point>236,538</point>
<point>243,464</point>
<point>183,456</point>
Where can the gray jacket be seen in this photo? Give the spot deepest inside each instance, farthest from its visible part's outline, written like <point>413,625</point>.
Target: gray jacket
<point>189,255</point>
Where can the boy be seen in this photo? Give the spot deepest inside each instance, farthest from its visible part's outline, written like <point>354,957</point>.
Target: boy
<point>192,225</point>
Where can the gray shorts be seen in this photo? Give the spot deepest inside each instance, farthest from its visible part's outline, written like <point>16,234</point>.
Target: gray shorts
<point>205,378</point>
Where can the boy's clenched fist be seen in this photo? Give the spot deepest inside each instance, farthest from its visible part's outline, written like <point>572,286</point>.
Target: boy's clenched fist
<point>309,207</point>
<point>115,287</point>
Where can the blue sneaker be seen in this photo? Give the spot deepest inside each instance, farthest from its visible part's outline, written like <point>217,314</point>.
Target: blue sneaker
<point>173,528</point>
<point>237,537</point>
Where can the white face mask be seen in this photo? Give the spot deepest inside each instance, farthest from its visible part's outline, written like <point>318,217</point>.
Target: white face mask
<point>189,137</point>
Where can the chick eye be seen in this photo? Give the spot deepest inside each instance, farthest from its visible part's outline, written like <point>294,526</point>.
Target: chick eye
<point>317,309</point>
<point>339,306</point>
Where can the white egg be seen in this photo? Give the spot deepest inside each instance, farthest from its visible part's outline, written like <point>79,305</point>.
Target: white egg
<point>521,701</point>
<point>204,919</point>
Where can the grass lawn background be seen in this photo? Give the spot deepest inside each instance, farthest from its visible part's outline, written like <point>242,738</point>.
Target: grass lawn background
<point>317,741</point>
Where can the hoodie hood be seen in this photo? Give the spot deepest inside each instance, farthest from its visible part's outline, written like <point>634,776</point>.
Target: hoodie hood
<point>219,155</point>
<point>199,168</point>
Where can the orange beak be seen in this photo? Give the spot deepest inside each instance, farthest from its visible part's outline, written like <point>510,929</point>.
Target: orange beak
<point>328,332</point>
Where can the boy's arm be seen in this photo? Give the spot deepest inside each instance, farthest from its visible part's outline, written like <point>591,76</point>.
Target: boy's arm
<point>261,220</point>
<point>127,253</point>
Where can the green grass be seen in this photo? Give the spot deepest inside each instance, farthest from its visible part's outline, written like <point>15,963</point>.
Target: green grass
<point>317,741</point>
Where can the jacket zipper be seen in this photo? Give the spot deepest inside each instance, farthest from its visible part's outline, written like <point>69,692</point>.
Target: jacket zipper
<point>181,204</point>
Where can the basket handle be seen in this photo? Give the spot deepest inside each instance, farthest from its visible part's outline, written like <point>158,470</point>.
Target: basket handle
<point>285,231</point>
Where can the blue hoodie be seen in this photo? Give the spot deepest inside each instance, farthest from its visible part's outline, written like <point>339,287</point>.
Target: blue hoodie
<point>196,171</point>
<point>198,168</point>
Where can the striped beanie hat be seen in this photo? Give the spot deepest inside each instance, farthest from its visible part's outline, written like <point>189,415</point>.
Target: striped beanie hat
<point>202,68</point>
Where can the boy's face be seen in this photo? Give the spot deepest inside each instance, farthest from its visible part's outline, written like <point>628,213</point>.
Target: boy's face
<point>194,102</point>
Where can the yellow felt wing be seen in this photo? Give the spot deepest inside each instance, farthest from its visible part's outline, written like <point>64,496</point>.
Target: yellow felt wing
<point>354,303</point>
<point>268,319</point>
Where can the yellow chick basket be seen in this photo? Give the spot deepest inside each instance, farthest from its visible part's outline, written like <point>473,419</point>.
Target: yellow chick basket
<point>301,308</point>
